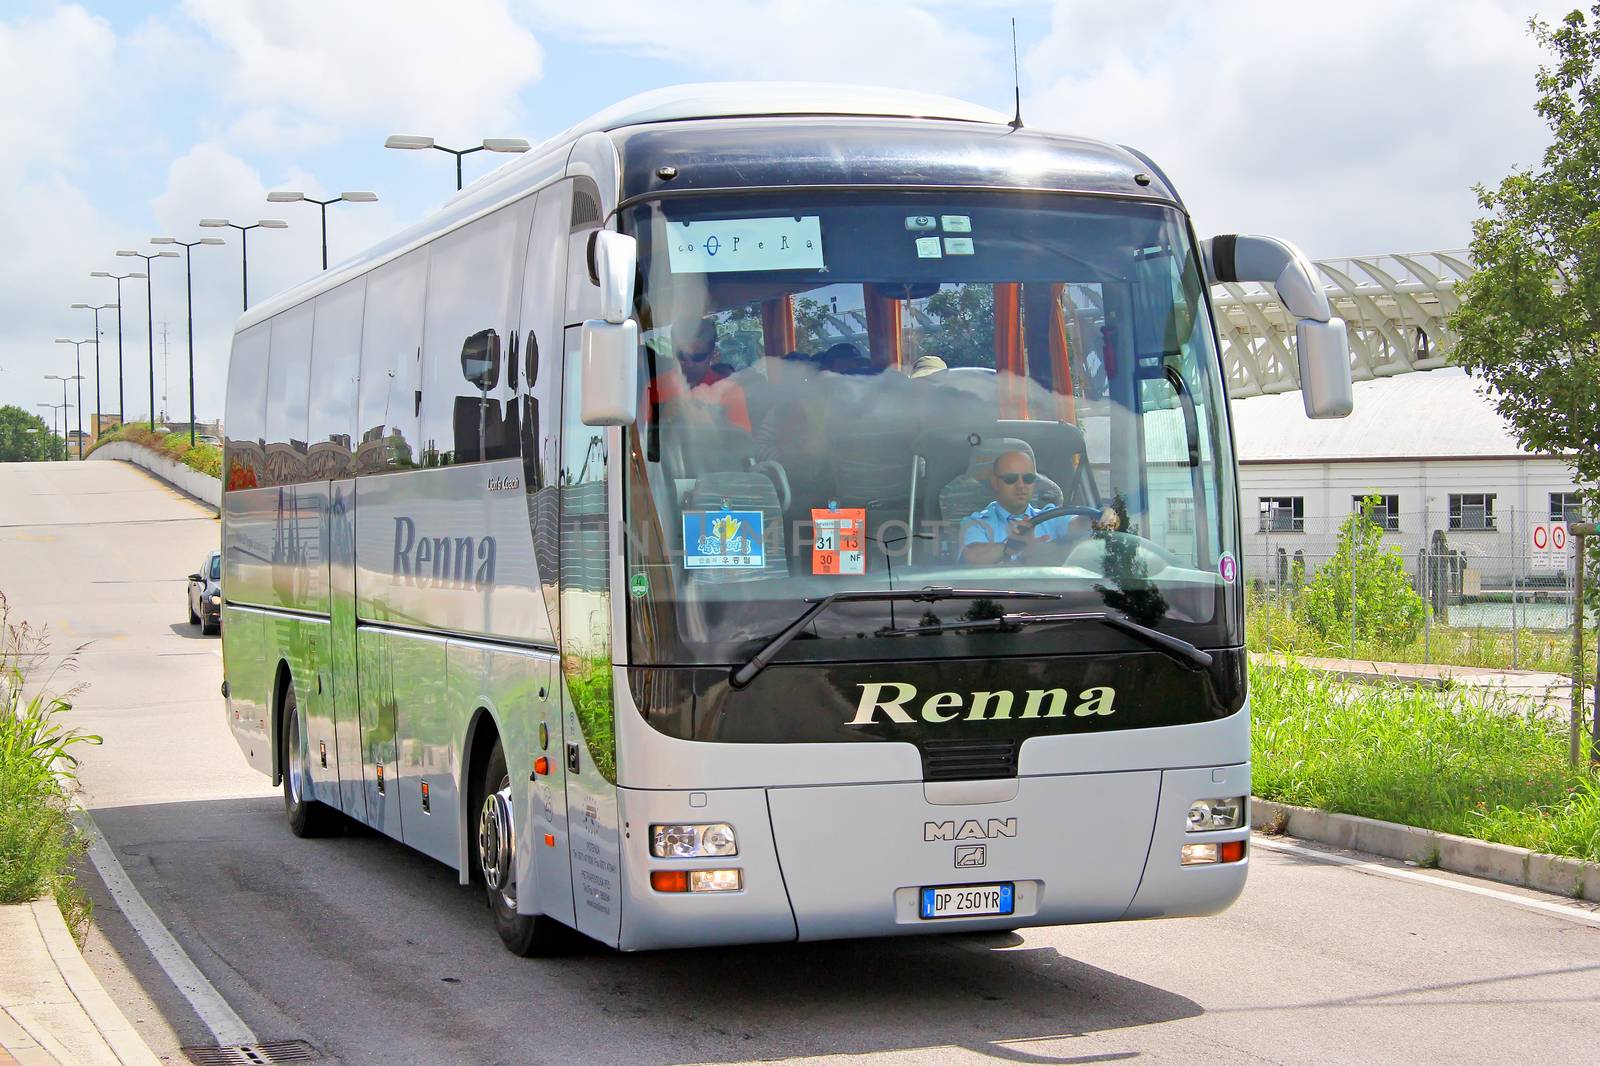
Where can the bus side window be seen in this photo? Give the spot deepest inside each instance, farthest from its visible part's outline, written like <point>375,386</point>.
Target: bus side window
<point>464,390</point>
<point>583,295</point>
<point>247,408</point>
<point>335,358</point>
<point>391,339</point>
<point>288,385</point>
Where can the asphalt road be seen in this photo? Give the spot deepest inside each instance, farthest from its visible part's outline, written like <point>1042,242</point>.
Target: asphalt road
<point>373,954</point>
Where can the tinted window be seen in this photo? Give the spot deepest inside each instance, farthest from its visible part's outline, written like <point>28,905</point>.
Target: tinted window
<point>391,347</point>
<point>245,420</point>
<point>467,409</point>
<point>214,567</point>
<point>335,366</point>
<point>583,295</point>
<point>288,381</point>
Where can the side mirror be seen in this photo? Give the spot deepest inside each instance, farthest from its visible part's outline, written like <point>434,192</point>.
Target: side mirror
<point>1320,338</point>
<point>610,368</point>
<point>616,260</point>
<point>194,577</point>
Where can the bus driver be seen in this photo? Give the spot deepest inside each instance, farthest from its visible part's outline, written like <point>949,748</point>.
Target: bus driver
<point>1002,531</point>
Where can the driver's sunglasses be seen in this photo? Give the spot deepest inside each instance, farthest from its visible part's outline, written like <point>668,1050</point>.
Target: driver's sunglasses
<point>1012,479</point>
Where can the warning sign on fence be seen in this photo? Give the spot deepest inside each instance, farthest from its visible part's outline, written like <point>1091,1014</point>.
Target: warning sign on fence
<point>1549,546</point>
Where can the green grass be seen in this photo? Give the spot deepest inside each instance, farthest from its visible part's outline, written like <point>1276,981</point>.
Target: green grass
<point>1472,764</point>
<point>39,844</point>
<point>206,458</point>
<point>1273,625</point>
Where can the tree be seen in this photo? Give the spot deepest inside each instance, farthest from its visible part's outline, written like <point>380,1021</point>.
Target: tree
<point>1529,322</point>
<point>25,438</point>
<point>1388,610</point>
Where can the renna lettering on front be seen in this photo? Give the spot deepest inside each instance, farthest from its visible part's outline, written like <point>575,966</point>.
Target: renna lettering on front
<point>743,465</point>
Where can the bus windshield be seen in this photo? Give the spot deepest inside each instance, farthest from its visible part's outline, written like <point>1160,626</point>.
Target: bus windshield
<point>891,391</point>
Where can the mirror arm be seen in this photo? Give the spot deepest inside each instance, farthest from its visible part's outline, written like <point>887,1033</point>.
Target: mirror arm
<point>1269,261</point>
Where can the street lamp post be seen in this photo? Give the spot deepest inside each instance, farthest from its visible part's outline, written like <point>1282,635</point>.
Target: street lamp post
<point>65,407</point>
<point>54,422</point>
<point>150,321</point>
<point>490,144</point>
<point>97,308</point>
<point>347,197</point>
<point>244,247</point>
<point>78,360</point>
<point>188,285</point>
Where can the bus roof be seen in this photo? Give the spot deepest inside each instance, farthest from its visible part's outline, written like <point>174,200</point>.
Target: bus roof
<point>689,109</point>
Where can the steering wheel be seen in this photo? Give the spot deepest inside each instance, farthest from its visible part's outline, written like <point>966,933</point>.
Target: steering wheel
<point>1062,511</point>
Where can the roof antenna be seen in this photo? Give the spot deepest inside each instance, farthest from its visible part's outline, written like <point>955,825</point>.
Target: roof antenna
<point>1016,73</point>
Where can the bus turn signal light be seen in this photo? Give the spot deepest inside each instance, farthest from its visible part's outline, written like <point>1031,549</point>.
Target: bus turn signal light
<point>669,880</point>
<point>541,765</point>
<point>1209,854</point>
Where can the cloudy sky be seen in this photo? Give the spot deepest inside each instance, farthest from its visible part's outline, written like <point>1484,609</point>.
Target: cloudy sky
<point>1351,128</point>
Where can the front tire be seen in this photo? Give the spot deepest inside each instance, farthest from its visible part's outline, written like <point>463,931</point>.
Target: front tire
<point>494,853</point>
<point>307,817</point>
<point>194,619</point>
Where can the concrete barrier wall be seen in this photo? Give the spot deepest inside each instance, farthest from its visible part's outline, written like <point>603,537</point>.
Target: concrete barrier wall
<point>203,487</point>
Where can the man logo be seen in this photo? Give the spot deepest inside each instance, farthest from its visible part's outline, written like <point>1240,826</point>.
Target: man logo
<point>971,829</point>
<point>969,856</point>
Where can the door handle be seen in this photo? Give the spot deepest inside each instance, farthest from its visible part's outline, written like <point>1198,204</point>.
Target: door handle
<point>572,756</point>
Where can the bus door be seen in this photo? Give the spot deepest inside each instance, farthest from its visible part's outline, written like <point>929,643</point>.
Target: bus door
<point>342,647</point>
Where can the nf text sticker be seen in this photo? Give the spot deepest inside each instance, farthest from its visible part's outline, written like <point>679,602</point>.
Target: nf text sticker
<point>714,539</point>
<point>839,533</point>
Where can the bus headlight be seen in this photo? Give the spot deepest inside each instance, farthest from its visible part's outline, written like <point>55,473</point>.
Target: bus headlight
<point>692,841</point>
<point>1210,814</point>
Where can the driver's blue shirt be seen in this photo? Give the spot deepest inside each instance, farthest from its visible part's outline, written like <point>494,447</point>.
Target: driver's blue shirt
<point>989,525</point>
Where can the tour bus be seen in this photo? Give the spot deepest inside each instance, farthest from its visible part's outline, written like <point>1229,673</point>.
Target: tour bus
<point>765,513</point>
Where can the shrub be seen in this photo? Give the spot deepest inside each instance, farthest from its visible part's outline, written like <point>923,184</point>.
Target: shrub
<point>1388,610</point>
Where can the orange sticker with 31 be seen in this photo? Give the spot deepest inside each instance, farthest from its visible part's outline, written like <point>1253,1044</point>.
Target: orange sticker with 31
<point>838,547</point>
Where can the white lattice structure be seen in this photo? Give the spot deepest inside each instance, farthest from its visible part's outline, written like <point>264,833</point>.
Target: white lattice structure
<point>1394,305</point>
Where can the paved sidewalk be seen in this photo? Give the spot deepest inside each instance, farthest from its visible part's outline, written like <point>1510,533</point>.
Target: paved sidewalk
<point>1554,688</point>
<point>53,1011</point>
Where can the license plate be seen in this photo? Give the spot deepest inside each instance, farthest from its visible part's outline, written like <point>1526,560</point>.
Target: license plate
<point>964,901</point>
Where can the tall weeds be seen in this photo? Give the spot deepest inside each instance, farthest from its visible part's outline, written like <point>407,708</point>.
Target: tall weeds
<point>39,843</point>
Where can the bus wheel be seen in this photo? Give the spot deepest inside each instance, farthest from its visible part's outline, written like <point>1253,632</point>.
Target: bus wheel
<point>495,846</point>
<point>307,817</point>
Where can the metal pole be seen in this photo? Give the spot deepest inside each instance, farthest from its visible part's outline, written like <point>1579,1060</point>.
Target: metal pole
<point>97,408</point>
<point>1581,531</point>
<point>188,283</point>
<point>244,260</point>
<point>122,399</point>
<point>1516,569</point>
<point>1427,597</point>
<point>1355,532</point>
<point>458,156</point>
<point>77,372</point>
<point>150,333</point>
<point>324,206</point>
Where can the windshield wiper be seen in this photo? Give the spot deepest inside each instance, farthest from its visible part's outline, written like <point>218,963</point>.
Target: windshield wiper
<point>928,594</point>
<point>1180,651</point>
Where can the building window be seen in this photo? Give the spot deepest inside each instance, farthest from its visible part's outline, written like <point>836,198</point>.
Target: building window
<point>1565,507</point>
<point>1386,512</point>
<point>1283,514</point>
<point>1180,515</point>
<point>1472,510</point>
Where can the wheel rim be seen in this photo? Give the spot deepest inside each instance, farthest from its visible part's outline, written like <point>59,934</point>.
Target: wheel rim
<point>497,843</point>
<point>292,756</point>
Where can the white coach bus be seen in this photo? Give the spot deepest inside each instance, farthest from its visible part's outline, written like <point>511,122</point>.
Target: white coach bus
<point>761,513</point>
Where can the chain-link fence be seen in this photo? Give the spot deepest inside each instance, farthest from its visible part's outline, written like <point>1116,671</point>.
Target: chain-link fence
<point>1470,587</point>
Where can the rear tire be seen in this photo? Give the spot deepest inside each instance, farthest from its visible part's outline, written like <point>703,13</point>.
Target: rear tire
<point>307,817</point>
<point>494,863</point>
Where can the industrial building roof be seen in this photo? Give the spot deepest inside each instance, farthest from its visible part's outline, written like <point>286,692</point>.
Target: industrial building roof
<point>1433,414</point>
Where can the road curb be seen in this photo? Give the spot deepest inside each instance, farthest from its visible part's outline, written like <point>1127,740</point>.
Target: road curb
<point>1427,847</point>
<point>52,1007</point>
<point>192,483</point>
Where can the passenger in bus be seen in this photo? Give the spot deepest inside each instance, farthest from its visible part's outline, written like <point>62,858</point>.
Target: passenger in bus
<point>694,372</point>
<point>1003,532</point>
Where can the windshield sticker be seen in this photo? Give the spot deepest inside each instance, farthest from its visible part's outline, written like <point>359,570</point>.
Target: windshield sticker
<point>921,222</point>
<point>958,246</point>
<point>726,244</point>
<point>837,547</point>
<point>723,539</point>
<point>956,223</point>
<point>639,585</point>
<point>1228,567</point>
<point>928,248</point>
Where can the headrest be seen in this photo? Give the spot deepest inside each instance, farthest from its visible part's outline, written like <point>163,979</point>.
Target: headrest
<point>980,463</point>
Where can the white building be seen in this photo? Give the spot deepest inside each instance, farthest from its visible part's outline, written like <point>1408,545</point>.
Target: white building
<point>1428,443</point>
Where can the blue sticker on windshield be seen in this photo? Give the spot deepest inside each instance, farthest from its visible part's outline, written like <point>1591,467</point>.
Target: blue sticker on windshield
<point>723,539</point>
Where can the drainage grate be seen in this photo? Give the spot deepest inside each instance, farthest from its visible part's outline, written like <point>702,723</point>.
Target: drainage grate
<point>967,760</point>
<point>252,1054</point>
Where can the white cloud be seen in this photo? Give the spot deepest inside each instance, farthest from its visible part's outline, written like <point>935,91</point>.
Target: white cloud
<point>54,73</point>
<point>443,69</point>
<point>900,44</point>
<point>1351,134</point>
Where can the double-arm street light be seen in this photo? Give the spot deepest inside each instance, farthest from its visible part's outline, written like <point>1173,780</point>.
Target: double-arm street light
<point>346,197</point>
<point>150,324</point>
<point>244,246</point>
<point>97,308</point>
<point>54,408</point>
<point>188,284</point>
<point>490,144</point>
<point>65,407</point>
<point>78,369</point>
